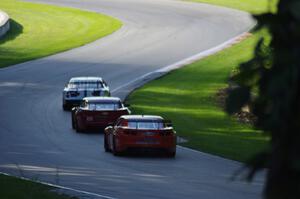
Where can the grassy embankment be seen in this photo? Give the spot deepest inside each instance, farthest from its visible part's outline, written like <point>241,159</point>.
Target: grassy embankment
<point>14,188</point>
<point>187,97</point>
<point>39,30</point>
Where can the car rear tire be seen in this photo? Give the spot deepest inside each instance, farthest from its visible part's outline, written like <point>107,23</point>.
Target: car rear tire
<point>77,128</point>
<point>73,122</point>
<point>115,152</point>
<point>65,107</point>
<point>106,145</point>
<point>171,154</point>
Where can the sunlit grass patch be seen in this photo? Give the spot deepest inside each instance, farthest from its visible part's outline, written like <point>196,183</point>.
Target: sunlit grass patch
<point>187,96</point>
<point>38,30</point>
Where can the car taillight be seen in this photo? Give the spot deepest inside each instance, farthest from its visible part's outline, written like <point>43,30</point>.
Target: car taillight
<point>106,93</point>
<point>89,118</point>
<point>129,132</point>
<point>73,93</point>
<point>96,93</point>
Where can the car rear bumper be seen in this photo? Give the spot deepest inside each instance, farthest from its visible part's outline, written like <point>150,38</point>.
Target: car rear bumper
<point>167,143</point>
<point>99,119</point>
<point>96,124</point>
<point>72,103</point>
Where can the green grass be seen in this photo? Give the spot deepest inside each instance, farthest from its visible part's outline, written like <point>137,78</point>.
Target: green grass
<point>252,6</point>
<point>14,188</point>
<point>39,30</point>
<point>187,97</point>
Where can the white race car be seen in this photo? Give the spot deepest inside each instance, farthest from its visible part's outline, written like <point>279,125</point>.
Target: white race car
<point>81,87</point>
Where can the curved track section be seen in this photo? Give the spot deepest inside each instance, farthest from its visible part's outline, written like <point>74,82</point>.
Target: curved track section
<point>36,139</point>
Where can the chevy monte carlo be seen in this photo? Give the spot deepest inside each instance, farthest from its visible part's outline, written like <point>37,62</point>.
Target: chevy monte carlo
<point>140,132</point>
<point>97,113</point>
<point>80,87</point>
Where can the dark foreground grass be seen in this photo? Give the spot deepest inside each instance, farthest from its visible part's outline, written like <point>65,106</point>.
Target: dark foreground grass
<point>187,97</point>
<point>14,188</point>
<point>39,30</point>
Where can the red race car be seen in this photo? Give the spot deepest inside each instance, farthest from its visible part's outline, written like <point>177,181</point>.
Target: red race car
<point>146,132</point>
<point>97,112</point>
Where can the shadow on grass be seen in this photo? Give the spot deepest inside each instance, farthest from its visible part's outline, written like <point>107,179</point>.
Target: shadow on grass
<point>10,56</point>
<point>15,30</point>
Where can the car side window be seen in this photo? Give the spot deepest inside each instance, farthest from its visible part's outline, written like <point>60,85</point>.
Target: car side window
<point>121,123</point>
<point>118,123</point>
<point>83,104</point>
<point>104,83</point>
<point>120,104</point>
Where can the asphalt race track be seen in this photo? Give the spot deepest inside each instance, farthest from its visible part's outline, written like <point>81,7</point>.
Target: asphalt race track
<point>36,139</point>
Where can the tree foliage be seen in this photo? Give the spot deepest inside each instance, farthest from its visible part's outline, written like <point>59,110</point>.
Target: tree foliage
<point>273,75</point>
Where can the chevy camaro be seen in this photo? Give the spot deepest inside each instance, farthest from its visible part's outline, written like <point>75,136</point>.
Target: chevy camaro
<point>97,112</point>
<point>80,87</point>
<point>140,132</point>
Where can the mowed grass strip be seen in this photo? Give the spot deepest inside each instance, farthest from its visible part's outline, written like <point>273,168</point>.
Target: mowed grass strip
<point>252,6</point>
<point>39,30</point>
<point>15,188</point>
<point>187,97</point>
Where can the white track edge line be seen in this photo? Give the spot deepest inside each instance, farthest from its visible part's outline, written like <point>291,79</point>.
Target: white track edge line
<point>208,154</point>
<point>186,61</point>
<point>60,187</point>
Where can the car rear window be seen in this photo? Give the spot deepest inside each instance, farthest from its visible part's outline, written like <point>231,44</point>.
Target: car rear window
<point>145,125</point>
<point>103,106</point>
<point>85,84</point>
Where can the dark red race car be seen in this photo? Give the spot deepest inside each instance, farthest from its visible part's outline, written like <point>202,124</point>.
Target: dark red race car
<point>146,132</point>
<point>97,112</point>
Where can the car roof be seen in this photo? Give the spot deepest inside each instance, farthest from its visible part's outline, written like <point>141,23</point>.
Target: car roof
<point>86,79</point>
<point>102,99</point>
<point>142,117</point>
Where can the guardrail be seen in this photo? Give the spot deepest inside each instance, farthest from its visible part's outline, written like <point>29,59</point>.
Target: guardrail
<point>4,23</point>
